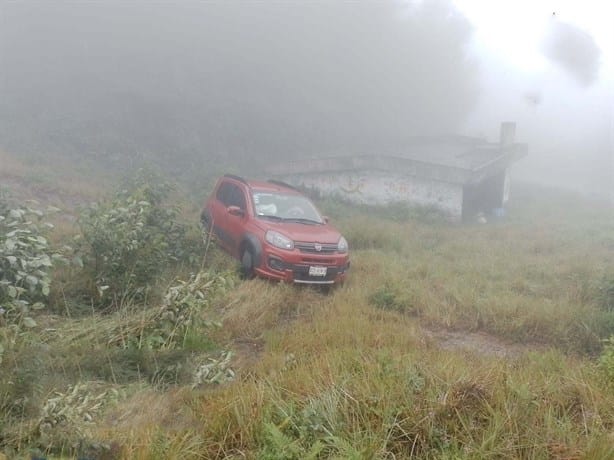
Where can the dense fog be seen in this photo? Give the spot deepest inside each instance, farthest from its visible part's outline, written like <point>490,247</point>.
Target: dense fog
<point>230,83</point>
<point>245,79</point>
<point>564,109</point>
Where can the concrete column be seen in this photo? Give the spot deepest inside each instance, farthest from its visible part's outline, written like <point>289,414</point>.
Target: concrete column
<point>508,133</point>
<point>506,139</point>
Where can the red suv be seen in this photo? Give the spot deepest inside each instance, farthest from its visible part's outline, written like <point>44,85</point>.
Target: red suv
<point>275,232</point>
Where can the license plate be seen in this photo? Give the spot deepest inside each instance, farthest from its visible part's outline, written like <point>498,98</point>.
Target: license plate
<point>317,271</point>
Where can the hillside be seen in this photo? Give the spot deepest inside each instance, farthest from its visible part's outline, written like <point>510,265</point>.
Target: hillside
<point>447,341</point>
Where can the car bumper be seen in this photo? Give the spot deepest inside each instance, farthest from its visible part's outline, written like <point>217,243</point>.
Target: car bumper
<point>294,267</point>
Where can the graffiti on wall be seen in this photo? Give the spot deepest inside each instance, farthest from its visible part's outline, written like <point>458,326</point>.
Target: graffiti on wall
<point>375,187</point>
<point>397,189</point>
<point>353,185</point>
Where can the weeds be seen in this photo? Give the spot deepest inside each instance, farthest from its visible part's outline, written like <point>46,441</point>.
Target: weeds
<point>393,297</point>
<point>346,375</point>
<point>605,293</point>
<point>129,241</point>
<point>606,360</point>
<point>26,260</point>
<point>167,345</point>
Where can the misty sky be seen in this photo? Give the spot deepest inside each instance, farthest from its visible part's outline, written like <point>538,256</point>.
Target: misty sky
<point>556,79</point>
<point>263,78</point>
<point>252,81</point>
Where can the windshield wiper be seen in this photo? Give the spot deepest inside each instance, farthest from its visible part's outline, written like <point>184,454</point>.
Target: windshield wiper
<point>302,220</point>
<point>269,216</point>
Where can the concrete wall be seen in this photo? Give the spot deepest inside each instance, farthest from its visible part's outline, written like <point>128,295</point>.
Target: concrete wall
<point>377,187</point>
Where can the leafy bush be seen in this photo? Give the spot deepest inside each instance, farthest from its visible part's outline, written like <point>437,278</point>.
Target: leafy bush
<point>214,370</point>
<point>67,419</point>
<point>186,309</point>
<point>128,241</point>
<point>26,259</point>
<point>183,310</point>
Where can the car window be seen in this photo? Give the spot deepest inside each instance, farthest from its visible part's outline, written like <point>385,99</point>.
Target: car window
<point>231,195</point>
<point>237,198</point>
<point>224,193</point>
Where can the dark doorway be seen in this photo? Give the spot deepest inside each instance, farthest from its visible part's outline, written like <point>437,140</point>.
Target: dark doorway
<point>484,196</point>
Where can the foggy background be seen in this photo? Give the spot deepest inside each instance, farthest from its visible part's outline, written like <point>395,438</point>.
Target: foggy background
<point>229,84</point>
<point>560,92</point>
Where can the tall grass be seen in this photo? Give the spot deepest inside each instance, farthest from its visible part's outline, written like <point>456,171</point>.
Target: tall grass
<point>351,382</point>
<point>525,281</point>
<point>355,373</point>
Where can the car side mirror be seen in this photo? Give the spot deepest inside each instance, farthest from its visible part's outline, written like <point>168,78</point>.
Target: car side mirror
<point>235,211</point>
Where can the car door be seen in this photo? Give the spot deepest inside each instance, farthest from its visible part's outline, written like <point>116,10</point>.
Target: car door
<point>235,223</point>
<point>219,213</point>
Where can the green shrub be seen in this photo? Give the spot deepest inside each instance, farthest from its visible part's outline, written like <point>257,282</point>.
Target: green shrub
<point>130,240</point>
<point>26,260</point>
<point>153,343</point>
<point>185,308</point>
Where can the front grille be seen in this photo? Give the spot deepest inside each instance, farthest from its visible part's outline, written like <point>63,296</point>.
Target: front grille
<point>317,261</point>
<point>325,248</point>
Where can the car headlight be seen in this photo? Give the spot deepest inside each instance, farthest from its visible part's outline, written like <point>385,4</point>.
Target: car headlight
<point>278,240</point>
<point>342,245</point>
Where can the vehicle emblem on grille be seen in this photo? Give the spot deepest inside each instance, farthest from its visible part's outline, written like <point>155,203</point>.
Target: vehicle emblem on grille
<point>318,247</point>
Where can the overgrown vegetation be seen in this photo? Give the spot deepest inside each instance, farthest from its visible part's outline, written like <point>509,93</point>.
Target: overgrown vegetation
<point>130,240</point>
<point>127,248</point>
<point>605,292</point>
<point>26,259</point>
<point>188,362</point>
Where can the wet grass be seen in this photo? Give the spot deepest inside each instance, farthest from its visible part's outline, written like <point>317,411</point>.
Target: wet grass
<point>353,374</point>
<point>356,373</point>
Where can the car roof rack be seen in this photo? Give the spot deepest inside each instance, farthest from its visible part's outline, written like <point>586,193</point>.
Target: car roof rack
<point>282,184</point>
<point>235,177</point>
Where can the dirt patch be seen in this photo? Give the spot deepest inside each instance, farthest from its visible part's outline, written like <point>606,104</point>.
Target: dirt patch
<point>480,343</point>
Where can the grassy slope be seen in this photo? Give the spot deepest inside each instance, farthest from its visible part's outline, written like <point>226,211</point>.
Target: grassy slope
<point>359,373</point>
<point>339,377</point>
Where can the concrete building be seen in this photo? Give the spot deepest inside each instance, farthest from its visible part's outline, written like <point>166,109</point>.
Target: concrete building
<point>458,175</point>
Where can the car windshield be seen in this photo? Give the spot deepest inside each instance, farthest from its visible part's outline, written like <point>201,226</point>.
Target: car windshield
<point>285,206</point>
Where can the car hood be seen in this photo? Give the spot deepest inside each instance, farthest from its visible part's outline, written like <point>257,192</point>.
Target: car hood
<point>304,232</point>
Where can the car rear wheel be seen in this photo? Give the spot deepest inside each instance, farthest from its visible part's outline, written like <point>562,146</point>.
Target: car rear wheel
<point>205,221</point>
<point>247,263</point>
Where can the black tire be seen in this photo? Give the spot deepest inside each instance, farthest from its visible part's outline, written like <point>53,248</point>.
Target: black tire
<point>247,263</point>
<point>205,223</point>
